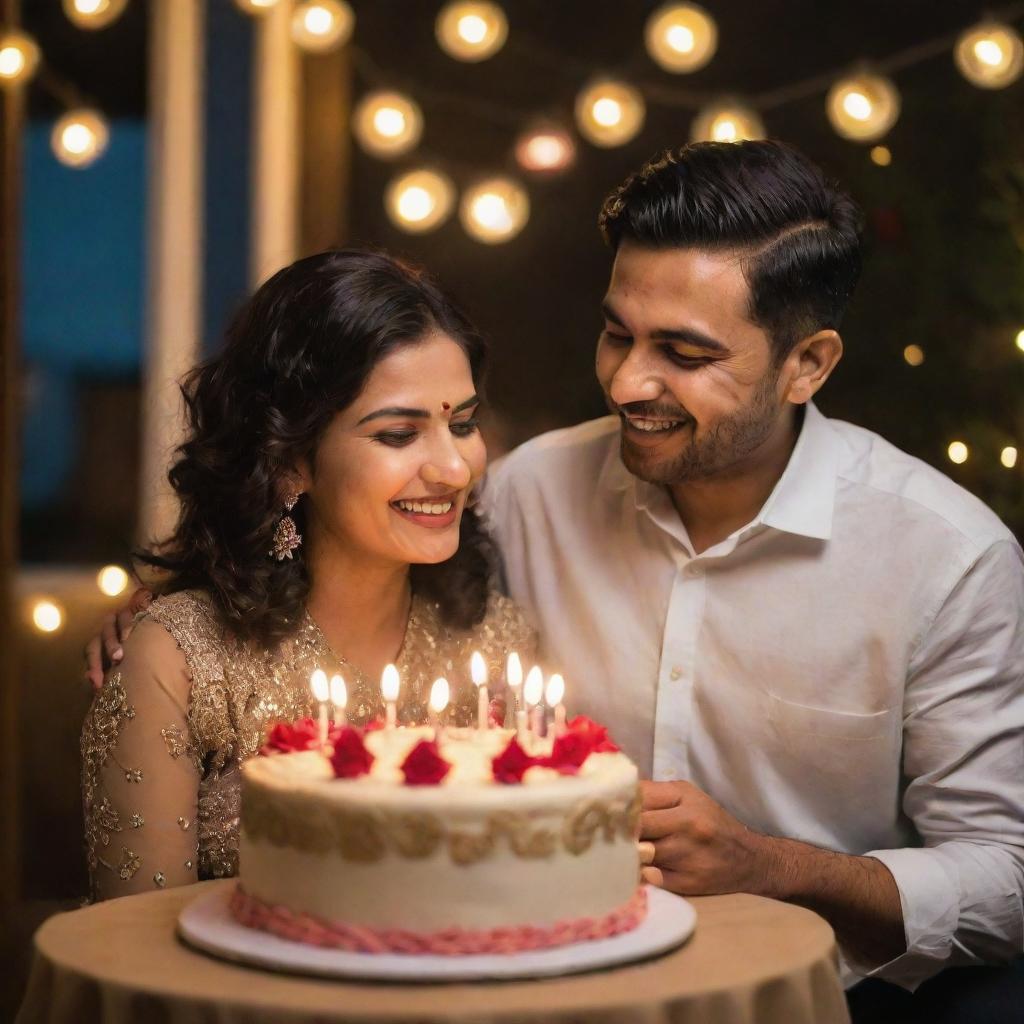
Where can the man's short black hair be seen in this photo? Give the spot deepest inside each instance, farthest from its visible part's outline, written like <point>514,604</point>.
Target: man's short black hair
<point>797,234</point>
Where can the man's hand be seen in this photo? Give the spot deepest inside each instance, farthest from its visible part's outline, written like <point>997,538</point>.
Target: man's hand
<point>103,651</point>
<point>692,846</point>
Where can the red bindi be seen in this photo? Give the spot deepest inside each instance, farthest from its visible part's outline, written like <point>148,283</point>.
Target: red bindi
<point>445,406</point>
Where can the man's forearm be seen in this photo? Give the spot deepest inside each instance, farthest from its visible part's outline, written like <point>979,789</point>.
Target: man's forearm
<point>856,895</point>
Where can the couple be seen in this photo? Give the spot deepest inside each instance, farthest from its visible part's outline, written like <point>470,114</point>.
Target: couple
<point>813,642</point>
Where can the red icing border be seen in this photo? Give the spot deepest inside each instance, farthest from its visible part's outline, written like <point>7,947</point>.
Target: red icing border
<point>301,927</point>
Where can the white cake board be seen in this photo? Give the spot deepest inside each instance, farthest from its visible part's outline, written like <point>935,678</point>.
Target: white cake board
<point>207,924</point>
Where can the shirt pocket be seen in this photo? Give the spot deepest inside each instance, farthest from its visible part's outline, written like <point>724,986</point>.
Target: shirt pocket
<point>792,722</point>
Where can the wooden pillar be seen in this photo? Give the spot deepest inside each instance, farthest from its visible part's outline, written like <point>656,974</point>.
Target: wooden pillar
<point>276,100</point>
<point>12,109</point>
<point>175,244</point>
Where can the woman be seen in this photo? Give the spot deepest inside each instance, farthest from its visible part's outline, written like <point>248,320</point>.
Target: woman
<point>324,492</point>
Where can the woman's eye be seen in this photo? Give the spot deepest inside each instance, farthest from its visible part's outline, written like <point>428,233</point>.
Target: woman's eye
<point>465,427</point>
<point>395,438</point>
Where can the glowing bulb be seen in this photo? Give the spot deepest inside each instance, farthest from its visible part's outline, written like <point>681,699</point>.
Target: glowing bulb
<point>863,107</point>
<point>419,200</point>
<point>94,14</point>
<point>545,148</point>
<point>47,616</point>
<point>555,691</point>
<point>318,683</point>
<point>990,55</point>
<point>958,452</point>
<point>533,688</point>
<point>609,113</point>
<point>255,6</point>
<point>881,155</point>
<point>681,38</point>
<point>494,211</point>
<point>1008,456</point>
<point>19,58</point>
<point>440,694</point>
<point>471,31</point>
<point>1020,340</point>
<point>390,683</point>
<point>514,670</point>
<point>319,26</point>
<point>478,669</point>
<point>79,138</point>
<point>914,355</point>
<point>726,120</point>
<point>387,124</point>
<point>112,580</point>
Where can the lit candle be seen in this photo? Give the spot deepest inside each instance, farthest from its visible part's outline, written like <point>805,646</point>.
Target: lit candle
<point>553,698</point>
<point>478,670</point>
<point>533,691</point>
<point>339,698</point>
<point>389,686</point>
<point>439,694</point>
<point>321,691</point>
<point>514,678</point>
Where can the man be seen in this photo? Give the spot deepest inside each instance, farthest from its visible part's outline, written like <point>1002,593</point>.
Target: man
<point>812,641</point>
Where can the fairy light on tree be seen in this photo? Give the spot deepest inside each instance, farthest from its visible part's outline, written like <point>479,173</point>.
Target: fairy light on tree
<point>319,26</point>
<point>681,38</point>
<point>1008,457</point>
<point>913,355</point>
<point>495,210</point>
<point>419,200</point>
<point>387,124</point>
<point>545,148</point>
<point>19,58</point>
<point>80,137</point>
<point>94,14</point>
<point>990,55</point>
<point>863,107</point>
<point>609,112</point>
<point>471,31</point>
<point>255,6</point>
<point>47,615</point>
<point>958,452</point>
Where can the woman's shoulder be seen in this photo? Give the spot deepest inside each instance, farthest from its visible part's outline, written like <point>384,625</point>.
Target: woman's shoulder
<point>192,620</point>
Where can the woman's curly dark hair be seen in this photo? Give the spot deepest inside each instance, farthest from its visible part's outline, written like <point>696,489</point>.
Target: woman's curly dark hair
<point>300,350</point>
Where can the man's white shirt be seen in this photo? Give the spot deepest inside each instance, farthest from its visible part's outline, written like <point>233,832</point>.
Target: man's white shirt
<point>846,670</point>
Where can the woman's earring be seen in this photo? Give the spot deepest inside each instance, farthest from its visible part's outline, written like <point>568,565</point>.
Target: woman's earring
<point>286,537</point>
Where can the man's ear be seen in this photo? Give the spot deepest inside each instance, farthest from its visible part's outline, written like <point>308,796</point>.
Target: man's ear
<point>809,365</point>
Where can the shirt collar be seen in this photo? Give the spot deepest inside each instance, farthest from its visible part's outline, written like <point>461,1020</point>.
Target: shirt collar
<point>802,501</point>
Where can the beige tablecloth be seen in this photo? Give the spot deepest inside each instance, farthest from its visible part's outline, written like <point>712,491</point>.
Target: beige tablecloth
<point>750,960</point>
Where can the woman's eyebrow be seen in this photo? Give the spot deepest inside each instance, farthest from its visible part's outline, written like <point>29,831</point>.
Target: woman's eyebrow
<point>420,414</point>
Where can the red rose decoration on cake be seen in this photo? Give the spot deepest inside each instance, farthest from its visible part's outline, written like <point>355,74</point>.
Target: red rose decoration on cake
<point>287,737</point>
<point>597,735</point>
<point>511,764</point>
<point>350,758</point>
<point>424,766</point>
<point>373,725</point>
<point>568,752</point>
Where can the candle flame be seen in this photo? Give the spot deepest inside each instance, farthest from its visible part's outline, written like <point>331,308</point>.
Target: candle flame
<point>439,694</point>
<point>339,693</point>
<point>390,683</point>
<point>533,689</point>
<point>318,680</point>
<point>555,691</point>
<point>514,672</point>
<point>478,668</point>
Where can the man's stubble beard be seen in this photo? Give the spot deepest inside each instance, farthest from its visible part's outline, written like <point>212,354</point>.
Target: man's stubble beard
<point>729,443</point>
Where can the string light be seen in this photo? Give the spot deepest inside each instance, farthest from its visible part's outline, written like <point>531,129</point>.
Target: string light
<point>609,112</point>
<point>80,137</point>
<point>726,120</point>
<point>387,124</point>
<point>112,580</point>
<point>319,26</point>
<point>958,452</point>
<point>546,148</point>
<point>863,107</point>
<point>881,155</point>
<point>471,31</point>
<point>495,210</point>
<point>255,6</point>
<point>19,58</point>
<point>1008,456</point>
<point>420,200</point>
<point>990,55</point>
<point>47,615</point>
<point>914,355</point>
<point>94,14</point>
<point>681,38</point>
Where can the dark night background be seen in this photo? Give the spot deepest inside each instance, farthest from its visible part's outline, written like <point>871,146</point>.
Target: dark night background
<point>944,268</point>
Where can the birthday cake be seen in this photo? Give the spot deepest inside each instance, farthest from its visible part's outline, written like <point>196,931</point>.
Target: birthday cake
<point>401,840</point>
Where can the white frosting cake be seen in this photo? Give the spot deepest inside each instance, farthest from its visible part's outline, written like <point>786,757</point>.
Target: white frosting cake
<point>466,865</point>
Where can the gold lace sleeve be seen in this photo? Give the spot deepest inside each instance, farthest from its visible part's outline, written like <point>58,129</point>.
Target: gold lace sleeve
<point>140,773</point>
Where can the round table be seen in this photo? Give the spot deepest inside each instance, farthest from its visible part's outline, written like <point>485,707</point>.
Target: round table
<point>749,960</point>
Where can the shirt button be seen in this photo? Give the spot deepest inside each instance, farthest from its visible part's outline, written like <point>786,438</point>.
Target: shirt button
<point>676,673</point>
<point>694,570</point>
